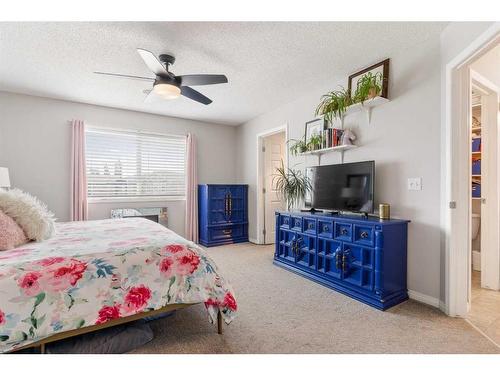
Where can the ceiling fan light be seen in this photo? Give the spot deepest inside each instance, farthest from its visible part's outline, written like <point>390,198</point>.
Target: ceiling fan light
<point>167,91</point>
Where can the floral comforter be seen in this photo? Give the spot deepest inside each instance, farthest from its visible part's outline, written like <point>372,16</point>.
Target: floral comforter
<point>95,271</point>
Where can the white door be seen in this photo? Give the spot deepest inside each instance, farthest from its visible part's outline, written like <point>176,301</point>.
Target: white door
<point>489,192</point>
<point>274,153</point>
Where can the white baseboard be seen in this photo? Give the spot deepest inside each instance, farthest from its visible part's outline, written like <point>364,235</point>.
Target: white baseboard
<point>428,300</point>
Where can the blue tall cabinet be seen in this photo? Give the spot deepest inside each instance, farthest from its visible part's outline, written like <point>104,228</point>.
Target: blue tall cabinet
<point>222,214</point>
<point>364,258</point>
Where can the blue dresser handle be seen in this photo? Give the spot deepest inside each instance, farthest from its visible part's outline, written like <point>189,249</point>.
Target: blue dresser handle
<point>364,234</point>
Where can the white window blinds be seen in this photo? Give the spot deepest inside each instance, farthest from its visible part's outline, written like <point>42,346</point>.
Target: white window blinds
<point>133,164</point>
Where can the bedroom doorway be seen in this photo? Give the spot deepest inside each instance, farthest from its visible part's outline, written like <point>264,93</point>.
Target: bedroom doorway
<point>460,78</point>
<point>271,152</point>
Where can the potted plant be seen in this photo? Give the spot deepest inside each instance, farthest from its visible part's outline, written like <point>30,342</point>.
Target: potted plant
<point>291,184</point>
<point>315,142</point>
<point>368,86</point>
<point>334,104</point>
<point>299,146</point>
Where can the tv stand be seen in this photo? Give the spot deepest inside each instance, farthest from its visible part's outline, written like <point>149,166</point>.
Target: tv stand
<point>363,258</point>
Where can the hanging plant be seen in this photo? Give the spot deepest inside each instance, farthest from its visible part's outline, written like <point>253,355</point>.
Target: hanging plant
<point>334,104</point>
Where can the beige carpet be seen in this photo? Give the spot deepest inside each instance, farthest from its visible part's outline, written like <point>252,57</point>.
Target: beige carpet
<point>280,312</point>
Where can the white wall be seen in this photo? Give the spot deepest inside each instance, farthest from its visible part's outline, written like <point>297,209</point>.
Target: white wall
<point>489,66</point>
<point>403,139</point>
<point>35,146</point>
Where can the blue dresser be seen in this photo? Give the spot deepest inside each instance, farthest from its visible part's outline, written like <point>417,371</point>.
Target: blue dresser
<point>364,258</point>
<point>222,214</point>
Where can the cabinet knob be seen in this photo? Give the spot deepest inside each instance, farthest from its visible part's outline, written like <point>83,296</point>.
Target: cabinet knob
<point>285,221</point>
<point>310,226</point>
<point>325,228</point>
<point>364,234</point>
<point>343,231</point>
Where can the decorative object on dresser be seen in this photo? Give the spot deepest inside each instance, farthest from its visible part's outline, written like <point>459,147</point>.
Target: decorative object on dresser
<point>364,258</point>
<point>156,214</point>
<point>222,214</point>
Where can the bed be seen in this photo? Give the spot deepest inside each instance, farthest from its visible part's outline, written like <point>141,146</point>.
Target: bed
<point>95,274</point>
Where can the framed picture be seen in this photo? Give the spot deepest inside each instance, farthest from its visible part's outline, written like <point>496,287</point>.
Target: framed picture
<point>314,127</point>
<point>379,68</point>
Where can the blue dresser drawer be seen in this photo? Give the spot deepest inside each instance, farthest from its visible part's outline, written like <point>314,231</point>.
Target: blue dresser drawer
<point>296,224</point>
<point>364,235</point>
<point>343,231</point>
<point>309,226</point>
<point>325,228</point>
<point>285,221</point>
<point>226,232</point>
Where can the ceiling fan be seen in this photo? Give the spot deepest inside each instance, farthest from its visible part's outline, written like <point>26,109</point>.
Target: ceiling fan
<point>169,86</point>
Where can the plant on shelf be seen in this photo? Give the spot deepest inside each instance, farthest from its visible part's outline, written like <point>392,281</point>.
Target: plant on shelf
<point>315,142</point>
<point>334,104</point>
<point>299,146</point>
<point>291,184</point>
<point>368,87</point>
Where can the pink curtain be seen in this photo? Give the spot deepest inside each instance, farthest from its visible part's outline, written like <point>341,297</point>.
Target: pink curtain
<point>191,190</point>
<point>78,172</point>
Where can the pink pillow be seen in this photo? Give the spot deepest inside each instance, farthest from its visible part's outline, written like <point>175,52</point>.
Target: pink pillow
<point>11,234</point>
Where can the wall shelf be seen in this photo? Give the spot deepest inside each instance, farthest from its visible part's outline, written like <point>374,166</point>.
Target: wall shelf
<point>322,151</point>
<point>366,107</point>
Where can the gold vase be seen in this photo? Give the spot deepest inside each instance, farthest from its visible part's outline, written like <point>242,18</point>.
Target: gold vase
<point>384,211</point>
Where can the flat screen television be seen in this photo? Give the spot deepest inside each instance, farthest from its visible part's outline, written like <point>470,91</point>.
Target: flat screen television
<point>342,187</point>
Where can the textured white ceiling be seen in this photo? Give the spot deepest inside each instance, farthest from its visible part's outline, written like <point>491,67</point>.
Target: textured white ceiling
<point>268,64</point>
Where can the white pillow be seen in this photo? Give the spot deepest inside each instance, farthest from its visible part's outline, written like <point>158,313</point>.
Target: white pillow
<point>29,212</point>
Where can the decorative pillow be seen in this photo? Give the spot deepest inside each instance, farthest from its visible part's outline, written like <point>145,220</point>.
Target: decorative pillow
<point>11,234</point>
<point>31,214</point>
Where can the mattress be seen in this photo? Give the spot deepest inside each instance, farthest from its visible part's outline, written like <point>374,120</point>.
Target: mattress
<point>94,271</point>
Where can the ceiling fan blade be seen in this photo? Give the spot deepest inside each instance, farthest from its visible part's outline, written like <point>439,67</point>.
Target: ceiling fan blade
<point>153,63</point>
<point>126,76</point>
<point>195,95</point>
<point>201,79</point>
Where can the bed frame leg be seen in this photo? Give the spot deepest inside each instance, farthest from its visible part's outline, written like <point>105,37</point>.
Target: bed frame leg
<point>42,348</point>
<point>219,323</point>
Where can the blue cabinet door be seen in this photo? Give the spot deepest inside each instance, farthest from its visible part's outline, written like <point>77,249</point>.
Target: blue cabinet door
<point>286,246</point>
<point>358,266</point>
<point>305,251</point>
<point>329,258</point>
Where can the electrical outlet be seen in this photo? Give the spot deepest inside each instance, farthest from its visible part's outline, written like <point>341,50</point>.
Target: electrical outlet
<point>415,183</point>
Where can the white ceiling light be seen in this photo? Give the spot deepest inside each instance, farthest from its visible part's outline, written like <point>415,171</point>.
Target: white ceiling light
<point>167,91</point>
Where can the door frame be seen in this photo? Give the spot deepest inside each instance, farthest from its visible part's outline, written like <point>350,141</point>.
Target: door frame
<point>260,216</point>
<point>490,254</point>
<point>456,202</point>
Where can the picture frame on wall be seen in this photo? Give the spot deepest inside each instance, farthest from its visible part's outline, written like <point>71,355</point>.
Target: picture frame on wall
<point>314,127</point>
<point>381,67</point>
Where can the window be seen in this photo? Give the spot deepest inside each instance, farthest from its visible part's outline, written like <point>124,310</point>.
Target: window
<point>123,164</point>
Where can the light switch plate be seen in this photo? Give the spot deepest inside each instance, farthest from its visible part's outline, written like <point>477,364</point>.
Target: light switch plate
<point>415,183</point>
